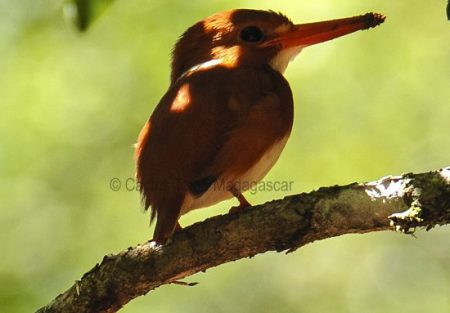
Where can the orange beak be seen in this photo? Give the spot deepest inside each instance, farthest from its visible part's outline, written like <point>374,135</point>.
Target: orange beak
<point>312,33</point>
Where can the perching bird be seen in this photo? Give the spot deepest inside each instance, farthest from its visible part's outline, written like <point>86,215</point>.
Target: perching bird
<point>228,111</point>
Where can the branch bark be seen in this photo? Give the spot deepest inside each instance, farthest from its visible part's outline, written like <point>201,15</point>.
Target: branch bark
<point>399,203</point>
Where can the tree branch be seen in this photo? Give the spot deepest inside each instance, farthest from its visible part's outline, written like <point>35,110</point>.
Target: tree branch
<point>401,203</point>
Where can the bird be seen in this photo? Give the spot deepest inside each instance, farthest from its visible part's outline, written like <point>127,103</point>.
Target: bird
<point>228,110</point>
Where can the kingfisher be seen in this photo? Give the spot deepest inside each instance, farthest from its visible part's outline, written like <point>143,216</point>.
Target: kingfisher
<point>228,111</point>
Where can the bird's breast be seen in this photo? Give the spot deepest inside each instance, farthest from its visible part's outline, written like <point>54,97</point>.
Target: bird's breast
<point>255,143</point>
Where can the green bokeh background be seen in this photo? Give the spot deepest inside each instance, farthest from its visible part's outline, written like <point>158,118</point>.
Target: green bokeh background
<point>367,105</point>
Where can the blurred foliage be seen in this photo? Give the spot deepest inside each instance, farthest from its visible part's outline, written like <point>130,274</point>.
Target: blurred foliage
<point>367,105</point>
<point>83,12</point>
<point>448,10</point>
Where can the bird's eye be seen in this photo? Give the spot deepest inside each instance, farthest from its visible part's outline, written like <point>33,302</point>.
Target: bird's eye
<point>252,34</point>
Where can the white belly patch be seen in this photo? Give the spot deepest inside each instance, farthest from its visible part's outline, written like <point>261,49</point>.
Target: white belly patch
<point>219,191</point>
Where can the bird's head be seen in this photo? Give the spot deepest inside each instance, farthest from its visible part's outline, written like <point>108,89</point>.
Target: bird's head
<point>253,38</point>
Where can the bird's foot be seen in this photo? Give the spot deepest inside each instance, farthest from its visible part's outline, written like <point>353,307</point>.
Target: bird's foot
<point>163,241</point>
<point>243,203</point>
<point>178,228</point>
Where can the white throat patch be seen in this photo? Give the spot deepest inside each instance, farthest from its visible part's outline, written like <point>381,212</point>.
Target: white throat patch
<point>281,60</point>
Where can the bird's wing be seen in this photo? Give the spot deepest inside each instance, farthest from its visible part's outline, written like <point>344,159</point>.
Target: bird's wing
<point>184,133</point>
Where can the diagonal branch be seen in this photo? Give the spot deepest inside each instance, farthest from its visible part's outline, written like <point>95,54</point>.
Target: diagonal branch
<point>401,203</point>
